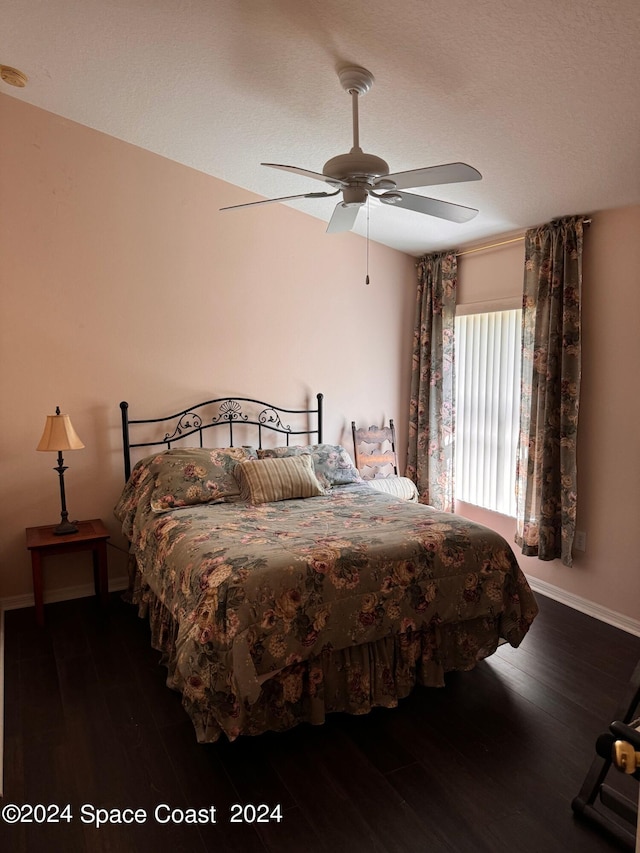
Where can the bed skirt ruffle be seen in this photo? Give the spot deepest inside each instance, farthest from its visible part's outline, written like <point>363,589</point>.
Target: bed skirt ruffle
<point>352,680</point>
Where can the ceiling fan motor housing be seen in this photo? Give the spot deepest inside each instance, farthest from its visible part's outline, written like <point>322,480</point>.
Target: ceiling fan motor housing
<point>356,165</point>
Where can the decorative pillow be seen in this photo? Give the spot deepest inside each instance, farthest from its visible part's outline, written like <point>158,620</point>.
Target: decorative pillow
<point>331,462</point>
<point>196,475</point>
<point>265,480</point>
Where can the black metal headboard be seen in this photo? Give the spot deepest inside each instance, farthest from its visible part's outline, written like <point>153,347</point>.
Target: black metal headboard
<point>231,411</point>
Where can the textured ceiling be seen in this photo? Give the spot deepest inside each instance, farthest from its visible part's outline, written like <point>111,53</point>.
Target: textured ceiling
<point>540,95</point>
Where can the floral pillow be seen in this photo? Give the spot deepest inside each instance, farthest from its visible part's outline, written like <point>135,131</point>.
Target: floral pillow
<point>332,464</point>
<point>196,475</point>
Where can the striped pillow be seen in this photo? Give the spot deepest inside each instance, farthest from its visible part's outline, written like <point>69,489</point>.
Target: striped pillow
<point>264,480</point>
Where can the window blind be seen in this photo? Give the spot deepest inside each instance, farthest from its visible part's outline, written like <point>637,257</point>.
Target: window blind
<point>487,408</point>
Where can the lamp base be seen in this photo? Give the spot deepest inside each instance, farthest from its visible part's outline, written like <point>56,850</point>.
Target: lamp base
<point>65,527</point>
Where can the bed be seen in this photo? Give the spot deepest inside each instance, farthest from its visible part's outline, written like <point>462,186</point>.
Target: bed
<point>279,587</point>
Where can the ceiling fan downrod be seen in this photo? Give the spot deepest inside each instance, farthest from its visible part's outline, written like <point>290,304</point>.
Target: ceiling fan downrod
<point>356,167</point>
<point>356,128</point>
<point>356,81</point>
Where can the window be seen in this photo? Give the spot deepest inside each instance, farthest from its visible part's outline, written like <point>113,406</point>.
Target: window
<point>487,354</point>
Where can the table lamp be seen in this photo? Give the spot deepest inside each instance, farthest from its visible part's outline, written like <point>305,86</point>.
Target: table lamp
<point>60,435</point>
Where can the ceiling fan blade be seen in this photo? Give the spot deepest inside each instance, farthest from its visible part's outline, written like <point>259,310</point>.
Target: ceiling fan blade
<point>448,173</point>
<point>283,198</point>
<point>430,206</point>
<point>343,218</point>
<point>335,182</point>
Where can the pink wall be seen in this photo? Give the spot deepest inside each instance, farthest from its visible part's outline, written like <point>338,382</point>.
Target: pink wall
<point>608,572</point>
<point>121,280</point>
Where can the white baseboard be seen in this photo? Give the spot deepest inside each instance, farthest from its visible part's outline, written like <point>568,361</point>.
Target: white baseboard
<point>611,617</point>
<point>17,602</point>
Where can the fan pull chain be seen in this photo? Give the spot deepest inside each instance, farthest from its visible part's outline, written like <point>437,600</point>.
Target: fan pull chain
<point>366,281</point>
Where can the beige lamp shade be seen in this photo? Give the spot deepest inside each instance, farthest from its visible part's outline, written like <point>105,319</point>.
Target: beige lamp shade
<point>59,434</point>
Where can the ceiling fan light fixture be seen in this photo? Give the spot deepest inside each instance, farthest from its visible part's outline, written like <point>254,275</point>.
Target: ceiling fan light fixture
<point>354,196</point>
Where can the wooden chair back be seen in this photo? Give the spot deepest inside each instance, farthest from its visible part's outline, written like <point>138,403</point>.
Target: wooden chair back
<point>375,451</point>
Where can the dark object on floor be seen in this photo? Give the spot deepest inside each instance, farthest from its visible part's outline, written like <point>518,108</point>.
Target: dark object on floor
<point>597,801</point>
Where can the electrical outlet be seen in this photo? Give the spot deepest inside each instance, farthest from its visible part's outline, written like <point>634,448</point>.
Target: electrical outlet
<point>580,540</point>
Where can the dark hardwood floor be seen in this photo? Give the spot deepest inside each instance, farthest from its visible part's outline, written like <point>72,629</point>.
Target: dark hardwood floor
<point>490,763</point>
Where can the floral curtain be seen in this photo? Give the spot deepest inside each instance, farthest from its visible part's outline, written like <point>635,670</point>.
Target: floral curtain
<point>546,490</point>
<point>431,416</point>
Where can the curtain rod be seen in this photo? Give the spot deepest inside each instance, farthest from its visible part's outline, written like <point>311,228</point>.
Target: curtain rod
<point>490,246</point>
<point>501,243</point>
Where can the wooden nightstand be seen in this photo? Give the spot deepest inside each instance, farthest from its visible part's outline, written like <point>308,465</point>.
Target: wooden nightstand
<point>91,536</point>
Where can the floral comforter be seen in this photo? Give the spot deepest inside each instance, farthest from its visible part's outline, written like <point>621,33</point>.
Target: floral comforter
<point>274,614</point>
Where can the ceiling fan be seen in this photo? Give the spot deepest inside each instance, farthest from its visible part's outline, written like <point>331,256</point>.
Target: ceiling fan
<point>359,176</point>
